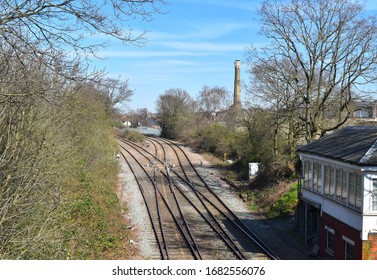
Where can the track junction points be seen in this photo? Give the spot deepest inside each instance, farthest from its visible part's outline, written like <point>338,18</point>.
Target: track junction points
<point>187,215</point>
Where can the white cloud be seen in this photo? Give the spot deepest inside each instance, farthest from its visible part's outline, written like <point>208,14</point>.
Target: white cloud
<point>199,31</point>
<point>179,62</point>
<point>234,4</point>
<point>205,46</point>
<point>148,53</point>
<point>166,49</point>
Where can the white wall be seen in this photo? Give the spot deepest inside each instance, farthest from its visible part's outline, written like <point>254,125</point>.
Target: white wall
<point>369,216</point>
<point>367,220</point>
<point>335,209</point>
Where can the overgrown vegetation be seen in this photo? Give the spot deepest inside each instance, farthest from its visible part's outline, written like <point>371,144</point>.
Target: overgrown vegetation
<point>274,192</point>
<point>134,136</point>
<point>90,214</point>
<point>58,173</point>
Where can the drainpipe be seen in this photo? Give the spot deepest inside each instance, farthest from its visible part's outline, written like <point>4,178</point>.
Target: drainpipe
<point>306,223</point>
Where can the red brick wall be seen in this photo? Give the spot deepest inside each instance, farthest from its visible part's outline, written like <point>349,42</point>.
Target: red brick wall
<point>370,247</point>
<point>339,244</point>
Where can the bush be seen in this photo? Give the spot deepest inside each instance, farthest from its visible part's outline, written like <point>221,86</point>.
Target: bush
<point>134,136</point>
<point>219,140</point>
<point>90,216</point>
<point>59,199</point>
<point>286,202</point>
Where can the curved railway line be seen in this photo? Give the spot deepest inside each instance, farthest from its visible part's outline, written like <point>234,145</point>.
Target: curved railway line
<point>188,218</point>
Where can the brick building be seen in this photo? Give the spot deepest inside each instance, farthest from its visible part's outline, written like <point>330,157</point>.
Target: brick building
<point>338,200</point>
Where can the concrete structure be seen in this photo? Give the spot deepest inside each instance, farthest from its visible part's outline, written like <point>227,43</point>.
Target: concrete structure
<point>365,109</point>
<point>338,200</point>
<point>147,130</point>
<point>237,83</point>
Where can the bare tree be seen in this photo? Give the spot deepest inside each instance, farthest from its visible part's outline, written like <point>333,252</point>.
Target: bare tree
<point>212,100</point>
<point>30,176</point>
<point>270,92</point>
<point>113,91</point>
<point>330,48</point>
<point>50,25</point>
<point>50,129</point>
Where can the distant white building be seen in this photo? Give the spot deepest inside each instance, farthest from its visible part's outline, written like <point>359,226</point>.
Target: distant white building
<point>127,124</point>
<point>338,202</point>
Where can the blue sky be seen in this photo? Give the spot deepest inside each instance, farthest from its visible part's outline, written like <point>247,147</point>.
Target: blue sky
<point>192,45</point>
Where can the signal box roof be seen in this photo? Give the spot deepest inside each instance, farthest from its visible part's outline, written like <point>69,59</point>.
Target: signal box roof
<point>352,144</point>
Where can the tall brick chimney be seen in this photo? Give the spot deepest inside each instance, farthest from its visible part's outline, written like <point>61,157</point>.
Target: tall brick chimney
<point>237,83</point>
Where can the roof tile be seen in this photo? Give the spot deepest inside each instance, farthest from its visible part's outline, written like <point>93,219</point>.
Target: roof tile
<point>353,144</point>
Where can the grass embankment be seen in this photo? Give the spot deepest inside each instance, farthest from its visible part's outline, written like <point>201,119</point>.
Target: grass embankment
<point>94,224</point>
<point>273,192</point>
<point>91,214</point>
<point>274,201</point>
<point>89,222</point>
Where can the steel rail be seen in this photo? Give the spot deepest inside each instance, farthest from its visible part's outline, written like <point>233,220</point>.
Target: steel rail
<point>236,251</point>
<point>251,234</point>
<point>215,224</point>
<point>223,235</point>
<point>184,235</point>
<point>219,229</point>
<point>167,176</point>
<point>161,243</point>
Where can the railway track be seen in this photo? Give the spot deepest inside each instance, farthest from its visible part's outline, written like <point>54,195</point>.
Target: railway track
<point>188,218</point>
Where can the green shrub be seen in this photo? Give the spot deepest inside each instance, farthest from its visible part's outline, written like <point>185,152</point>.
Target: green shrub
<point>134,136</point>
<point>286,202</point>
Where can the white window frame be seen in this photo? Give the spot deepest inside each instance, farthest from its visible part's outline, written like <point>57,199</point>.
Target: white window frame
<point>348,241</point>
<point>373,196</point>
<point>361,192</point>
<point>308,174</point>
<point>330,230</point>
<point>329,181</point>
<point>339,185</point>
